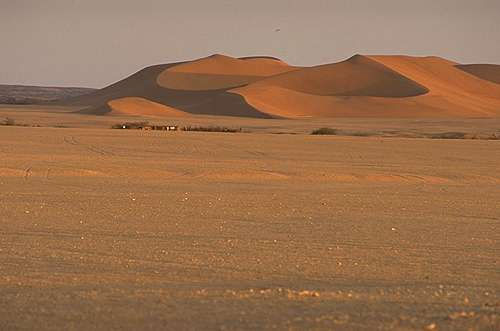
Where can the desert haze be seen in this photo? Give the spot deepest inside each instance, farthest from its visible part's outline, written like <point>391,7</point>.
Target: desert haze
<point>389,221</point>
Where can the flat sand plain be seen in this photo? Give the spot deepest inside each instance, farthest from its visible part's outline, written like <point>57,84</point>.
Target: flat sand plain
<point>116,229</point>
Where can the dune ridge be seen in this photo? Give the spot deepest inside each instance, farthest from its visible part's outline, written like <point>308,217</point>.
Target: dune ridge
<point>219,72</point>
<point>266,87</point>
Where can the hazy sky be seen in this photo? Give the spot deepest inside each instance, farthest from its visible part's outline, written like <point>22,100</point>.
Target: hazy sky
<point>97,42</point>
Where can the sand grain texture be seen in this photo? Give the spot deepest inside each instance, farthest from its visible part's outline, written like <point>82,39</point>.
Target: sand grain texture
<point>110,229</point>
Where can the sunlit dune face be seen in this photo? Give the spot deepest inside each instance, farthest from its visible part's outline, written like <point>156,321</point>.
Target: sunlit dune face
<point>141,106</point>
<point>440,76</point>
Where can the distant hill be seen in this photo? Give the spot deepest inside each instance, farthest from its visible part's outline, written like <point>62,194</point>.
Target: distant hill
<point>266,87</point>
<point>22,95</point>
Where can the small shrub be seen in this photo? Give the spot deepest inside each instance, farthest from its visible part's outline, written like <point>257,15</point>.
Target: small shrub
<point>325,131</point>
<point>362,134</point>
<point>494,136</point>
<point>129,125</point>
<point>211,129</point>
<point>448,135</point>
<point>9,122</point>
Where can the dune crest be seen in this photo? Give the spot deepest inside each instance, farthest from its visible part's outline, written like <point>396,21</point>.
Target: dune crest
<point>225,65</point>
<point>219,72</point>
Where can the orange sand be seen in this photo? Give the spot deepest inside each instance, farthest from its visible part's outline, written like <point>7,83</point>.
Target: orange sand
<point>141,106</point>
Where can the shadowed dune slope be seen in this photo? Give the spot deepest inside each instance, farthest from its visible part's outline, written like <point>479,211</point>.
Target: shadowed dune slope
<point>265,87</point>
<point>490,72</point>
<point>141,83</point>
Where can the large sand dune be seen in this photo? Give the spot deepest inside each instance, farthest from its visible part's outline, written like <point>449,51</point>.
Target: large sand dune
<point>362,86</point>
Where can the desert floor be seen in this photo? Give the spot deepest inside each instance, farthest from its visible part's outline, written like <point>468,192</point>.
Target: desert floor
<point>121,229</point>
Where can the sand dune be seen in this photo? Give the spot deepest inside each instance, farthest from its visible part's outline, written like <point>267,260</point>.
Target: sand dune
<point>141,106</point>
<point>376,86</point>
<point>144,84</point>
<point>265,87</point>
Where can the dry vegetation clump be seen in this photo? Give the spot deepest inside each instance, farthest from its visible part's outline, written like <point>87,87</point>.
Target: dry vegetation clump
<point>8,122</point>
<point>362,134</point>
<point>130,125</point>
<point>325,131</point>
<point>211,129</point>
<point>449,135</point>
<point>490,136</point>
<point>462,135</point>
<point>494,136</point>
<point>147,126</point>
<point>11,122</point>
